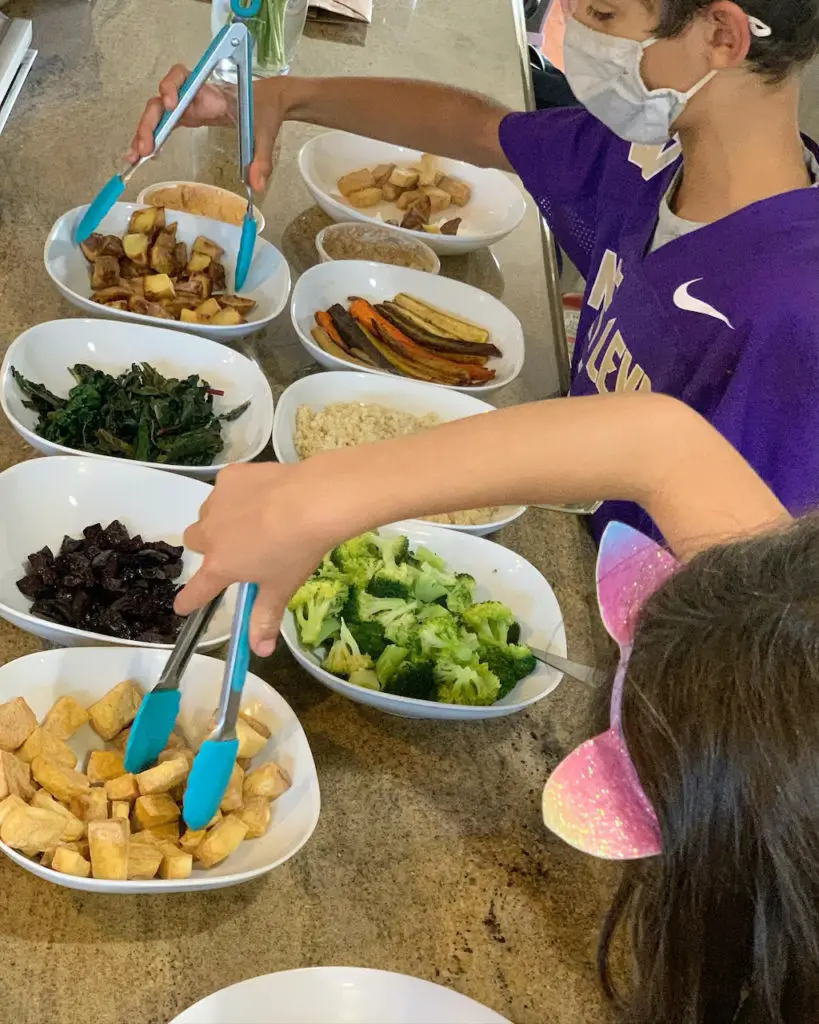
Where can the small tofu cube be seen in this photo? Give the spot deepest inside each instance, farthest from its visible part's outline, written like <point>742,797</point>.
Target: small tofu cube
<point>117,709</point>
<point>381,174</point>
<point>65,718</point>
<point>62,782</point>
<point>360,200</point>
<point>43,743</point>
<point>108,841</point>
<point>163,777</point>
<point>176,866</point>
<point>137,249</point>
<point>74,828</point>
<point>171,753</point>
<point>256,815</point>
<point>269,780</point>
<point>91,806</point>
<point>191,839</point>
<point>69,862</point>
<point>438,199</point>
<point>355,181</point>
<point>121,809</point>
<point>428,172</point>
<point>227,317</point>
<point>161,834</point>
<point>120,741</point>
<point>143,860</point>
<point>256,724</point>
<point>221,841</point>
<point>404,177</point>
<point>460,192</point>
<point>32,829</point>
<point>158,286</point>
<point>208,247</point>
<point>104,765</point>
<point>232,800</point>
<point>155,809</point>
<point>15,777</point>
<point>17,723</point>
<point>251,741</point>
<point>406,199</point>
<point>391,192</point>
<point>122,788</point>
<point>148,221</point>
<point>208,308</point>
<point>10,804</point>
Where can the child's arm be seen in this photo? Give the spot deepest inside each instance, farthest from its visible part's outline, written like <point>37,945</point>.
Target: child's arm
<point>273,524</point>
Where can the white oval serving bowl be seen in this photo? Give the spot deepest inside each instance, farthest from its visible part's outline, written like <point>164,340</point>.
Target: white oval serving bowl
<point>44,353</point>
<point>44,500</point>
<point>88,673</point>
<point>373,234</point>
<point>496,208</point>
<point>268,281</point>
<point>215,192</point>
<point>323,285</point>
<point>322,389</point>
<point>501,575</point>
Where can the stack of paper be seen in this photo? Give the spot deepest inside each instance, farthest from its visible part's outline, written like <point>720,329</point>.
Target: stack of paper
<point>342,10</point>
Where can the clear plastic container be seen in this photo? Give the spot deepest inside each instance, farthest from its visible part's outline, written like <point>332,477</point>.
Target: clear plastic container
<point>276,32</point>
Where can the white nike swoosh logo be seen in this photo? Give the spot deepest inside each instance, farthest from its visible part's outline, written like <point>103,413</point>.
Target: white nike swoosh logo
<point>684,301</point>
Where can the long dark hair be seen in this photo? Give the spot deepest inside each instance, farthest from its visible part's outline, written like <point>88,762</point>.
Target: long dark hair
<point>721,717</point>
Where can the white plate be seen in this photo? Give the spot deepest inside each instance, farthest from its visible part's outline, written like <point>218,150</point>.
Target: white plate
<point>337,995</point>
<point>322,389</point>
<point>88,673</point>
<point>496,208</point>
<point>501,575</point>
<point>44,353</point>
<point>45,499</point>
<point>323,285</point>
<point>268,282</point>
<point>144,197</point>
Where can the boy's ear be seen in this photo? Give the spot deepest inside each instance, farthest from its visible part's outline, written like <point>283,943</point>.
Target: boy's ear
<point>729,34</point>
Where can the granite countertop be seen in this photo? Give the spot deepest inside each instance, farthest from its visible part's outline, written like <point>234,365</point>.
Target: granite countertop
<point>430,857</point>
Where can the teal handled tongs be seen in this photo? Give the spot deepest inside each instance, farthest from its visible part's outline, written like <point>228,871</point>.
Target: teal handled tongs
<point>234,43</point>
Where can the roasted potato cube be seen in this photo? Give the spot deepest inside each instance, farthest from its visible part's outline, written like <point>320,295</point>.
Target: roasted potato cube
<point>217,275</point>
<point>439,200</point>
<point>198,262</point>
<point>188,316</point>
<point>124,787</point>
<point>15,777</point>
<point>459,191</point>
<point>90,248</point>
<point>32,829</point>
<point>198,286</point>
<point>221,841</point>
<point>163,777</point>
<point>43,743</point>
<point>105,273</point>
<point>179,305</point>
<point>227,317</point>
<point>104,765</point>
<point>139,305</point>
<point>355,181</point>
<point>428,172</point>
<point>143,860</point>
<point>130,271</point>
<point>108,841</point>
<point>208,247</point>
<point>256,815</point>
<point>137,249</point>
<point>166,239</point>
<point>91,806</point>
<point>207,309</point>
<point>232,800</point>
<point>238,302</point>
<point>191,839</point>
<point>17,723</point>
<point>366,197</point>
<point>69,862</point>
<point>121,809</point>
<point>406,199</point>
<point>159,286</point>
<point>9,804</point>
<point>381,174</point>
<point>269,780</point>
<point>155,809</point>
<point>111,246</point>
<point>251,740</point>
<point>163,261</point>
<point>119,304</point>
<point>65,718</point>
<point>74,828</point>
<point>404,177</point>
<point>117,293</point>
<point>148,221</point>
<point>117,709</point>
<point>175,866</point>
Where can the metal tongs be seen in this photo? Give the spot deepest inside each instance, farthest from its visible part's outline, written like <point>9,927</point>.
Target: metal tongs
<point>234,43</point>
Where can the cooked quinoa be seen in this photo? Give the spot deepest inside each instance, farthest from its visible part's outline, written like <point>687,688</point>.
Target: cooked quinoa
<point>347,424</point>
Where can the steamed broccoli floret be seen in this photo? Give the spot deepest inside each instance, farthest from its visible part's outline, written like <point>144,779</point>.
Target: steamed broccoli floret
<point>414,679</point>
<point>461,594</point>
<point>365,677</point>
<point>423,556</point>
<point>509,662</point>
<point>345,657</point>
<point>312,604</point>
<point>393,550</point>
<point>392,613</point>
<point>357,559</point>
<point>442,637</point>
<point>327,570</point>
<point>489,620</point>
<point>392,658</point>
<point>431,611</point>
<point>471,684</point>
<point>369,636</point>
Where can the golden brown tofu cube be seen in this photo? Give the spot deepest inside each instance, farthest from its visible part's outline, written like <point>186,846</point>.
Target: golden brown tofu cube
<point>117,709</point>
<point>176,866</point>
<point>458,190</point>
<point>428,172</point>
<point>120,741</point>
<point>159,286</point>
<point>66,717</point>
<point>438,199</point>
<point>62,782</point>
<point>232,800</point>
<point>391,192</point>
<point>143,860</point>
<point>137,249</point>
<point>155,809</point>
<point>105,272</point>
<point>355,181</point>
<point>15,777</point>
<point>10,804</point>
<point>404,177</point>
<point>17,723</point>
<point>74,828</point>
<point>256,815</point>
<point>207,309</point>
<point>91,806</point>
<point>163,777</point>
<point>104,765</point>
<point>47,856</point>
<point>227,318</point>
<point>166,833</point>
<point>269,780</point>
<point>108,841</point>
<point>208,247</point>
<point>251,739</point>
<point>198,262</point>
<point>69,862</point>
<point>381,174</point>
<point>148,221</point>
<point>171,753</point>
<point>191,839</point>
<point>406,199</point>
<point>122,788</point>
<point>361,200</point>
<point>121,809</point>
<point>32,829</point>
<point>221,841</point>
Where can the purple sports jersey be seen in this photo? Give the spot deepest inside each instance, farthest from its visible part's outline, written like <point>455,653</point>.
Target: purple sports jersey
<point>725,318</point>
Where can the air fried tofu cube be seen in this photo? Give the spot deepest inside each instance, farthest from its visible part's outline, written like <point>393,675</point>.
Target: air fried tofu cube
<point>390,192</point>
<point>17,723</point>
<point>91,806</point>
<point>15,777</point>
<point>256,815</point>
<point>268,780</point>
<point>176,866</point>
<point>361,200</point>
<point>43,743</point>
<point>232,800</point>
<point>65,718</point>
<point>355,181</point>
<point>10,804</point>
<point>404,177</point>
<point>63,783</point>
<point>252,735</point>
<point>108,841</point>
<point>104,765</point>
<point>122,788</point>
<point>143,860</point>
<point>121,809</point>
<point>171,753</point>
<point>163,777</point>
<point>191,839</point>
<point>155,809</point>
<point>74,828</point>
<point>381,174</point>
<point>438,199</point>
<point>32,829</point>
<point>428,174</point>
<point>117,709</point>
<point>460,192</point>
<point>70,862</point>
<point>161,834</point>
<point>406,199</point>
<point>221,841</point>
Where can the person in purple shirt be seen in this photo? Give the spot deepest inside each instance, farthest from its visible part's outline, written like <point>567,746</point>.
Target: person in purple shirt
<point>682,190</point>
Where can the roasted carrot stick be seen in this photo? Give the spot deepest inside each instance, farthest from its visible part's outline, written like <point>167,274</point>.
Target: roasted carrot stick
<point>325,322</point>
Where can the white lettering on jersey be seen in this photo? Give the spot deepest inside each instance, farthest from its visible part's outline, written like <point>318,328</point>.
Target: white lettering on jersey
<point>690,304</point>
<point>653,159</point>
<point>608,280</point>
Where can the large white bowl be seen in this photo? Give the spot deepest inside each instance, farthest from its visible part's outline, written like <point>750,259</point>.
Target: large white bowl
<point>496,208</point>
<point>323,285</point>
<point>268,281</point>
<point>337,995</point>
<point>322,389</point>
<point>501,575</point>
<point>88,673</point>
<point>46,499</point>
<point>44,353</point>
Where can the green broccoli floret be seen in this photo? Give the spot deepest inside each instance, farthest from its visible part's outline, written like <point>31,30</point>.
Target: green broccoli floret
<point>461,594</point>
<point>432,611</point>
<point>423,556</point>
<point>327,570</point>
<point>357,559</point>
<point>312,604</point>
<point>393,581</point>
<point>365,677</point>
<point>432,584</point>
<point>393,550</point>
<point>414,678</point>
<point>392,658</point>
<point>345,656</point>
<point>369,636</point>
<point>392,613</point>
<point>442,637</point>
<point>509,662</point>
<point>471,684</point>
<point>490,621</point>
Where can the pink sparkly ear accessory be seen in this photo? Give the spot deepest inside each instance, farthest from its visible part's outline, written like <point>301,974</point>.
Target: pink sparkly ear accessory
<point>593,800</point>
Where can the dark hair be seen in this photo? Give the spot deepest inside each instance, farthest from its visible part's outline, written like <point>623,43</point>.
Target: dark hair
<point>721,717</point>
<point>794,25</point>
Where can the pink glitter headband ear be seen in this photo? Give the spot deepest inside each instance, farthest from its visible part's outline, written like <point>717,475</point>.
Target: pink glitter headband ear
<point>593,800</point>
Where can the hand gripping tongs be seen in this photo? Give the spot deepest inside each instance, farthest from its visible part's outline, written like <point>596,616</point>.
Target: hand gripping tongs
<point>233,43</point>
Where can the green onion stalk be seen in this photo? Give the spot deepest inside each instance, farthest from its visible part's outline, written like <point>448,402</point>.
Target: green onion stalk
<point>267,29</point>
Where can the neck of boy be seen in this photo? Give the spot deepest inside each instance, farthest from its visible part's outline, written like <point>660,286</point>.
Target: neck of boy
<point>745,149</point>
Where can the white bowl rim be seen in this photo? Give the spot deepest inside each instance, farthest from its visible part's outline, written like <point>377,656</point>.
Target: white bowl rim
<point>401,234</point>
<point>142,200</point>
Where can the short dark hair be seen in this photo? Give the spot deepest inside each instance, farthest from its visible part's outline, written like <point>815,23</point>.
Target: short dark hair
<point>794,25</point>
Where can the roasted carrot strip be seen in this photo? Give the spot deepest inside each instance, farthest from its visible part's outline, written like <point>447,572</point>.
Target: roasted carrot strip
<point>325,322</point>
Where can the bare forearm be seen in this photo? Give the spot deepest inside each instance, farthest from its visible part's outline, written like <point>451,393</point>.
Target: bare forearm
<point>421,115</point>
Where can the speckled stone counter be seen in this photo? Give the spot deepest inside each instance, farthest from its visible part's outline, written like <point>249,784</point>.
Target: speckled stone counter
<point>429,857</point>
